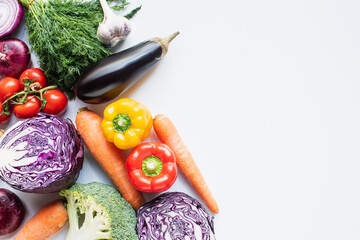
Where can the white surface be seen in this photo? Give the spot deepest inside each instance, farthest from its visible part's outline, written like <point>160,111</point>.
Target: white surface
<point>266,96</point>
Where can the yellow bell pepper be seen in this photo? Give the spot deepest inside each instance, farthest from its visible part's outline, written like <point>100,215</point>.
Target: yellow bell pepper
<point>126,123</point>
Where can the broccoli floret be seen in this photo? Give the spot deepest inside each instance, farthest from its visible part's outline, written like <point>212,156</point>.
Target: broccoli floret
<point>97,211</point>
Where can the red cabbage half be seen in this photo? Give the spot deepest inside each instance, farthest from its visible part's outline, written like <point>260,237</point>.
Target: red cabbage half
<point>43,154</point>
<point>174,215</point>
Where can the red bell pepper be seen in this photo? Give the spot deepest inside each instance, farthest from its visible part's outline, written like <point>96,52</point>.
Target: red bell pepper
<point>152,167</point>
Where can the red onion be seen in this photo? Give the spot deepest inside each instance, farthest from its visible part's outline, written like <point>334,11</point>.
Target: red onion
<point>11,14</point>
<point>12,211</point>
<point>14,57</point>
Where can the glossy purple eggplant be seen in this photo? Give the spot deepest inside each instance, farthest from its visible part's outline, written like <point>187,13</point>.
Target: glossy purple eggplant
<point>113,75</point>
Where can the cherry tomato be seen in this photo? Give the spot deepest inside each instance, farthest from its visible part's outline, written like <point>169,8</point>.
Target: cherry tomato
<point>56,102</point>
<point>29,109</point>
<point>8,87</point>
<point>3,117</point>
<point>35,74</point>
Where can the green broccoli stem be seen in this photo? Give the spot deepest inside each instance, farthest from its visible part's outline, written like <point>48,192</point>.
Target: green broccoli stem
<point>73,217</point>
<point>97,211</point>
<point>92,228</point>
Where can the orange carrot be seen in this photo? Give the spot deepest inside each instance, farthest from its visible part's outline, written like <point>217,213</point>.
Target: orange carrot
<point>168,134</point>
<point>45,223</point>
<point>2,131</point>
<point>110,158</point>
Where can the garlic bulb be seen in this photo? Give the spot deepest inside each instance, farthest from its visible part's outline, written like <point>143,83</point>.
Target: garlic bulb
<point>113,28</point>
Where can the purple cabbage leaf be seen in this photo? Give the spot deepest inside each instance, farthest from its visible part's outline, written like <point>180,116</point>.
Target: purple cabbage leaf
<point>43,154</point>
<point>174,215</point>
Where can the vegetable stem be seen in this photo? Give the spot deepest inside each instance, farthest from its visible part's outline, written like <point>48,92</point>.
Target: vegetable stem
<point>121,122</point>
<point>152,166</point>
<point>169,38</point>
<point>132,13</point>
<point>25,93</point>
<point>165,42</point>
<point>82,109</point>
<point>106,8</point>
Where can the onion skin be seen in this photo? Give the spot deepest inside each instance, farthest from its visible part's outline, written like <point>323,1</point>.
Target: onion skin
<point>12,211</point>
<point>10,17</point>
<point>14,57</point>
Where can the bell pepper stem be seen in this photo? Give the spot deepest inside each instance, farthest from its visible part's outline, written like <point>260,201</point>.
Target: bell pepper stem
<point>121,122</point>
<point>152,166</point>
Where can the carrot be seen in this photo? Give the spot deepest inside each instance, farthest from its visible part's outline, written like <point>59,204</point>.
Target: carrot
<point>2,131</point>
<point>110,158</point>
<point>45,223</point>
<point>168,134</point>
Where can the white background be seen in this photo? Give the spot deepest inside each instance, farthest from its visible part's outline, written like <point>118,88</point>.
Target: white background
<point>266,96</point>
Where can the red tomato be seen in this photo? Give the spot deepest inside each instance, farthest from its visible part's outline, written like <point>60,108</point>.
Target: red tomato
<point>3,117</point>
<point>33,74</point>
<point>56,102</point>
<point>8,87</point>
<point>29,109</point>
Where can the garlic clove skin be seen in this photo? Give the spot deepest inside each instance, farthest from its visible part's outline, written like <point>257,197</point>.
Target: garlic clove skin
<point>115,40</point>
<point>113,29</point>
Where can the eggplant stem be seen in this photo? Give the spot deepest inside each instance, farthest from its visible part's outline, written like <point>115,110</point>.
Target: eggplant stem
<point>165,42</point>
<point>169,38</point>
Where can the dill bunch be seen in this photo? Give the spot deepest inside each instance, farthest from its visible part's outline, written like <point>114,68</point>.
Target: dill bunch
<point>62,33</point>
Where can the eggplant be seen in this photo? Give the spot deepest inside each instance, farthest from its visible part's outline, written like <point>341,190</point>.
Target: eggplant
<point>108,78</point>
